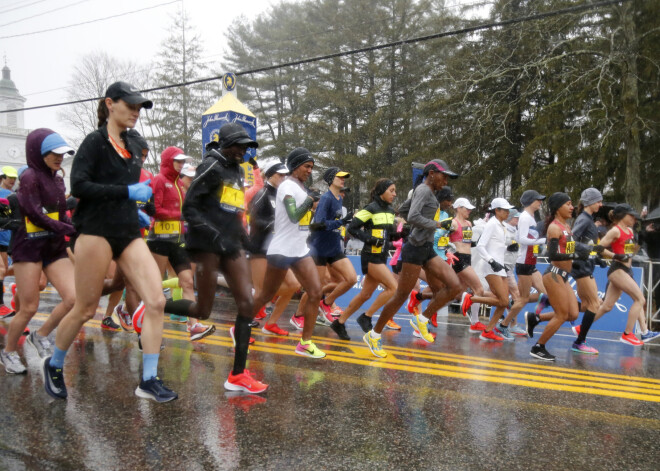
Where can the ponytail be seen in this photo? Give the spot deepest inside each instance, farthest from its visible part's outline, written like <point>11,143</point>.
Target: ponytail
<point>102,112</point>
<point>613,218</point>
<point>548,219</point>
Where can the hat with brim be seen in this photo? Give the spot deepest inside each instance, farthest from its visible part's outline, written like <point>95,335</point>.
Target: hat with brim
<point>128,93</point>
<point>56,144</point>
<point>232,134</point>
<point>622,209</point>
<point>463,203</point>
<point>529,196</point>
<point>184,157</point>
<point>9,172</point>
<point>438,165</point>
<point>500,203</point>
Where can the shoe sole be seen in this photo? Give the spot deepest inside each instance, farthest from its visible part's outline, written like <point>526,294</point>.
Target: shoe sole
<point>111,329</point>
<point>305,354</point>
<point>486,339</point>
<point>235,387</point>
<point>391,328</point>
<point>629,343</point>
<point>44,376</point>
<point>199,336</point>
<point>583,352</point>
<point>475,331</point>
<point>418,334</point>
<point>146,395</point>
<point>372,351</point>
<point>534,355</point>
<point>268,332</point>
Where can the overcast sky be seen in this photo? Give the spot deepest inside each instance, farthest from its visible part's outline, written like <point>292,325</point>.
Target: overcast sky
<point>41,64</point>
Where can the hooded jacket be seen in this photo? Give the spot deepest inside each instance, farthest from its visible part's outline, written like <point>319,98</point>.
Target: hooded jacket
<point>374,221</point>
<point>100,179</point>
<point>41,201</point>
<point>214,206</point>
<point>168,195</point>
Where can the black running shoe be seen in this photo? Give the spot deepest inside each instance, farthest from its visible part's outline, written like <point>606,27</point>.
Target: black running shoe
<point>155,389</point>
<point>539,352</point>
<point>531,321</point>
<point>53,379</point>
<point>365,322</point>
<point>340,329</point>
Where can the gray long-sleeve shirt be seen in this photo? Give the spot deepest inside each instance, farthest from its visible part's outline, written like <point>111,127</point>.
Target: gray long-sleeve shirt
<point>423,215</point>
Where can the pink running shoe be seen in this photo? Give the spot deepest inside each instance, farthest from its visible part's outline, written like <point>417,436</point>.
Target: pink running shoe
<point>138,317</point>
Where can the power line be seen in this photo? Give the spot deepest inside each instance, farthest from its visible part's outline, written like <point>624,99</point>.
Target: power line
<point>44,13</point>
<point>90,21</point>
<point>22,6</point>
<point>470,29</point>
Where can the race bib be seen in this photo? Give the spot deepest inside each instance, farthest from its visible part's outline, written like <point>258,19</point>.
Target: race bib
<point>535,250</point>
<point>303,224</point>
<point>34,232</point>
<point>342,231</point>
<point>164,229</point>
<point>629,249</point>
<point>378,234</point>
<point>443,242</point>
<point>467,235</point>
<point>570,247</point>
<point>232,199</point>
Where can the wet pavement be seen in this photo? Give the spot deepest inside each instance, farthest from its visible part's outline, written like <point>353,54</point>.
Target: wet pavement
<point>457,404</point>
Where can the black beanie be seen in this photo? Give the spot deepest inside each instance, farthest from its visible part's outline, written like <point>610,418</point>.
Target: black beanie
<point>557,200</point>
<point>297,157</point>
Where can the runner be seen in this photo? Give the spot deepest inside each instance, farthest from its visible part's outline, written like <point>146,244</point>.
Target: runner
<point>289,249</point>
<point>492,247</point>
<point>105,177</point>
<point>373,225</point>
<point>7,182</point>
<point>424,217</point>
<point>39,245</point>
<point>621,241</point>
<point>562,250</point>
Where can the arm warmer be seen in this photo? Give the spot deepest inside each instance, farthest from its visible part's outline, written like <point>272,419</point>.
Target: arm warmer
<point>296,214</point>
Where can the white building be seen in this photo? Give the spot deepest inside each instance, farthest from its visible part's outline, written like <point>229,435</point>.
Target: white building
<point>12,126</point>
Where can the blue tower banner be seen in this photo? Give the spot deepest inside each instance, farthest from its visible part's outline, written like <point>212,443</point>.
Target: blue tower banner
<point>228,110</point>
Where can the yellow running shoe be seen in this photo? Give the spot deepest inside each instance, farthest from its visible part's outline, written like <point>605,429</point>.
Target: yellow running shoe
<point>392,325</point>
<point>375,345</point>
<point>307,348</point>
<point>421,329</point>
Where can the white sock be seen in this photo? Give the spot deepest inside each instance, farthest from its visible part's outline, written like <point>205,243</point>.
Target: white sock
<point>374,335</point>
<point>474,313</point>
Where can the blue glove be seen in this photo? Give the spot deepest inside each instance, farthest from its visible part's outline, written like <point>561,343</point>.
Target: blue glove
<point>140,191</point>
<point>144,219</point>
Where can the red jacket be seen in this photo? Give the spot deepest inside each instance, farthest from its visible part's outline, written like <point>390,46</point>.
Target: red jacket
<point>168,189</point>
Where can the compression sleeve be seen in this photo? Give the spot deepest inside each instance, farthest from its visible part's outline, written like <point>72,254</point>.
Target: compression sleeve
<point>553,252</point>
<point>296,214</point>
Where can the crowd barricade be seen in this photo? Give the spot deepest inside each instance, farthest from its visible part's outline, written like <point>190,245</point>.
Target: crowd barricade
<point>651,270</point>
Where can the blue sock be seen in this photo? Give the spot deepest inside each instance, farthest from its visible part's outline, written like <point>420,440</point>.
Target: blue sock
<point>57,359</point>
<point>149,365</point>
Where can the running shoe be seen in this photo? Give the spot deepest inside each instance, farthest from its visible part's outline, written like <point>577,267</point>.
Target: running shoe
<point>179,319</point>
<point>125,319</point>
<point>584,348</point>
<point>261,314</point>
<point>434,319</point>
<point>233,339</point>
<point>531,321</point>
<point>422,328</point>
<point>297,321</point>
<point>364,322</point>
<point>466,302</point>
<point>504,332</point>
<point>576,329</point>
<point>12,362</point>
<point>12,303</point>
<point>477,328</point>
<point>323,318</point>
<point>108,323</point>
<point>631,339</point>
<point>6,313</point>
<point>269,308</point>
<point>337,312</point>
<point>539,352</point>
<point>491,336</point>
<point>155,390</point>
<point>244,382</point>
<point>42,345</point>
<point>413,302</point>
<point>327,310</point>
<point>53,379</point>
<point>391,325</point>
<point>199,331</point>
<point>375,345</point>
<point>648,336</point>
<point>138,317</point>
<point>541,304</point>
<point>340,330</point>
<point>308,349</point>
<point>273,329</point>
<point>517,330</point>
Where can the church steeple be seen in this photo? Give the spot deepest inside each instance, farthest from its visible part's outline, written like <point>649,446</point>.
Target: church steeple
<point>10,99</point>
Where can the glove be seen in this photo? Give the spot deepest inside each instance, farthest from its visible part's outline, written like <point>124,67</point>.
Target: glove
<point>346,219</point>
<point>315,195</point>
<point>446,224</point>
<point>405,230</point>
<point>495,266</point>
<point>376,242</point>
<point>317,226</point>
<point>513,247</point>
<point>451,258</point>
<point>582,251</point>
<point>601,262</point>
<point>144,220</point>
<point>622,257</point>
<point>253,162</point>
<point>140,191</point>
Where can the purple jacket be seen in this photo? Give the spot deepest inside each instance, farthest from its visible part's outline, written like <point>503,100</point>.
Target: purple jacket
<point>40,193</point>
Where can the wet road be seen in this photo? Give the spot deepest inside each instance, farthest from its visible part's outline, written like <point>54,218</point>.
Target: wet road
<point>457,404</point>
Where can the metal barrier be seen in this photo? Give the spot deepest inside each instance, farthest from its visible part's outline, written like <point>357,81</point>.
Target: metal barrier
<point>648,287</point>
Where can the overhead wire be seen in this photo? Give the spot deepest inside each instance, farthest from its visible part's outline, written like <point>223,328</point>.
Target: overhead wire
<point>45,12</point>
<point>456,32</point>
<point>21,6</point>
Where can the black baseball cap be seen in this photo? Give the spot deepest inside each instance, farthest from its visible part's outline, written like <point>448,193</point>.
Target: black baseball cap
<point>441,166</point>
<point>128,93</point>
<point>529,196</point>
<point>234,134</point>
<point>622,209</point>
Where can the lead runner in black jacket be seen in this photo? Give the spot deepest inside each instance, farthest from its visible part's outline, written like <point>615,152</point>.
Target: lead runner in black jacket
<point>373,225</point>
